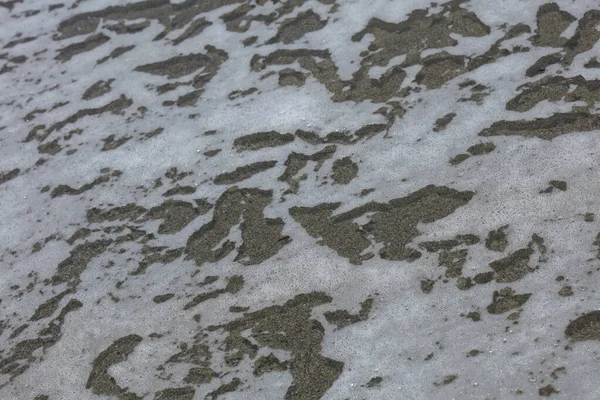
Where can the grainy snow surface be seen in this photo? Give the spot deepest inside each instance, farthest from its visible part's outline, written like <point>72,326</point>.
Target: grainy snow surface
<point>300,200</point>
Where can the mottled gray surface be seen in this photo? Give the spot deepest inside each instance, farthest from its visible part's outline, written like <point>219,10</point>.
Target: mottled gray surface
<point>299,200</point>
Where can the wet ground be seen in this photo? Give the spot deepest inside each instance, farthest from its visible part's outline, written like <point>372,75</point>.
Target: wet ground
<point>299,200</point>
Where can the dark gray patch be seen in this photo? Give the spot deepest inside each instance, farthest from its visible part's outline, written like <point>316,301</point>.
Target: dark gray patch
<point>427,285</point>
<point>296,161</point>
<point>178,66</point>
<point>129,211</point>
<point>260,140</point>
<point>7,176</point>
<point>81,233</point>
<point>496,240</point>
<point>243,173</point>
<point>459,158</point>
<point>435,246</point>
<point>505,299</point>
<point>194,29</point>
<point>547,391</point>
<point>162,298</point>
<point>560,185</point>
<point>176,215</point>
<point>175,175</point>
<point>122,28</point>
<point>291,77</point>
<point>592,63</point>
<point>554,89</point>
<point>292,29</point>
<point>270,363</point>
<point>442,123</point>
<point>373,382</point>
<point>182,393</point>
<point>115,107</point>
<point>481,148</point>
<point>234,285</point>
<point>50,306</point>
<point>22,354</point>
<point>249,41</point>
<point>342,318</point>
<point>546,128</point>
<point>172,16</point>
<point>51,148</point>
<point>483,278</point>
<point>290,328</point>
<point>98,89</point>
<point>100,381</point>
<point>439,68</point>
<point>453,261</point>
<point>394,224</point>
<point>212,153</point>
<point>540,66</point>
<point>241,93</point>
<point>66,53</point>
<point>584,327</point>
<point>566,291</point>
<point>513,267</point>
<point>463,283</point>
<point>69,270</point>
<point>111,143</point>
<point>551,23</point>
<point>31,115</point>
<point>116,53</point>
<point>19,41</point>
<point>261,236</point>
<point>474,316</point>
<point>344,170</point>
<point>224,388</point>
<point>62,190</point>
<point>322,67</point>
<point>180,190</point>
<point>154,255</point>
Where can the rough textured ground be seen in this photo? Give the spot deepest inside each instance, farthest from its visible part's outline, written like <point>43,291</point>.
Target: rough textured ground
<point>299,200</point>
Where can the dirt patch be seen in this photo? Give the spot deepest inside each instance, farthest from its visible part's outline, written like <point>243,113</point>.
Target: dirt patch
<point>7,176</point>
<point>545,128</point>
<point>261,237</point>
<point>28,351</point>
<point>172,16</point>
<point>261,140</point>
<point>98,89</point>
<point>100,381</point>
<point>297,161</point>
<point>513,267</point>
<point>182,393</point>
<point>344,170</point>
<point>89,44</point>
<point>243,173</point>
<point>115,107</point>
<point>342,318</point>
<point>234,285</point>
<point>69,269</point>
<point>506,299</point>
<point>292,29</point>
<point>116,53</point>
<point>496,240</point>
<point>394,224</point>
<point>289,327</point>
<point>443,122</point>
<point>584,327</point>
<point>194,29</point>
<point>481,148</point>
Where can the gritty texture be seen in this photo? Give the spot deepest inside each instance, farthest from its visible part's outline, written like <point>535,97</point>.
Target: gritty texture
<point>299,199</point>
